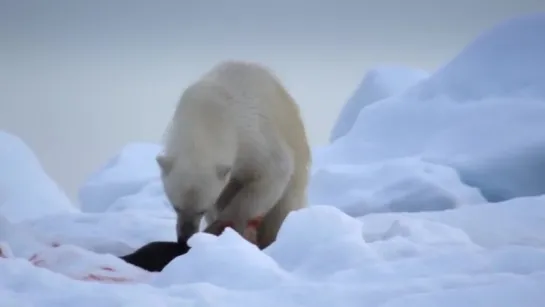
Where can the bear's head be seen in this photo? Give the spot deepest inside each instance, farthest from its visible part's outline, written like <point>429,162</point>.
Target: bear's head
<point>192,189</point>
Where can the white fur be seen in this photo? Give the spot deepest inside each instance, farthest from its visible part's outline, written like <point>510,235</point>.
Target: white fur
<point>236,122</point>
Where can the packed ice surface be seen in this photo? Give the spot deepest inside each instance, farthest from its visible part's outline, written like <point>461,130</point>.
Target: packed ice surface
<point>400,211</point>
<point>377,84</point>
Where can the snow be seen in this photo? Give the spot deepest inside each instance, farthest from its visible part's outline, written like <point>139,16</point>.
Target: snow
<point>434,197</point>
<point>467,116</point>
<point>22,173</point>
<point>408,184</point>
<point>377,84</point>
<point>118,178</point>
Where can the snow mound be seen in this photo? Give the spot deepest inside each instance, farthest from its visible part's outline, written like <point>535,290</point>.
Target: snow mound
<point>519,222</point>
<point>150,198</point>
<point>243,265</point>
<point>402,185</point>
<point>496,144</point>
<point>505,61</point>
<point>23,183</point>
<point>377,84</point>
<point>320,234</point>
<point>125,174</point>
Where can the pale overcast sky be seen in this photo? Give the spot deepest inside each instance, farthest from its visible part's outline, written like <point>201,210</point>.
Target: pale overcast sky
<point>79,79</point>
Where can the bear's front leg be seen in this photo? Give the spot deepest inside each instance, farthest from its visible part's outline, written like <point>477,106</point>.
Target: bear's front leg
<point>250,232</point>
<point>217,227</point>
<point>263,181</point>
<point>255,200</point>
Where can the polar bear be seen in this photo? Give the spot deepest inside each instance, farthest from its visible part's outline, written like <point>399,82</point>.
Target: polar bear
<point>235,152</point>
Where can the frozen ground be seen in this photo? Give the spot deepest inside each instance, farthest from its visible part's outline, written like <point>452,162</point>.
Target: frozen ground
<point>433,196</point>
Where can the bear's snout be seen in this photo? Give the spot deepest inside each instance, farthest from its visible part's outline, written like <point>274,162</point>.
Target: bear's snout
<point>185,229</point>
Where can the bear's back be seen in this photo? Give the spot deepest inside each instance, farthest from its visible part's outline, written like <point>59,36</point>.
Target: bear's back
<point>259,96</point>
<point>256,92</point>
<point>248,96</point>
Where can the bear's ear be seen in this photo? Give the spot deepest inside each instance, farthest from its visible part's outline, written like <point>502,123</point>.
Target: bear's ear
<point>165,163</point>
<point>222,170</point>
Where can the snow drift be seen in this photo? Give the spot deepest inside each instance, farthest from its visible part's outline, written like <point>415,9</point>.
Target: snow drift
<point>118,177</point>
<point>21,173</point>
<point>377,84</point>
